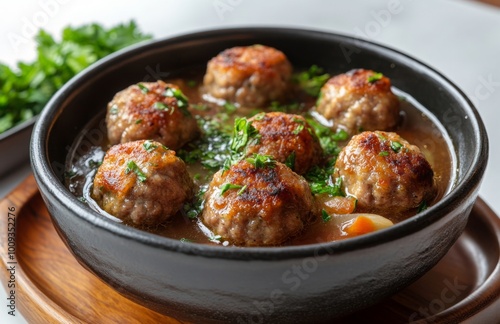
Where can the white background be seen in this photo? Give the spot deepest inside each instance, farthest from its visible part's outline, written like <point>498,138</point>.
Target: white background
<point>459,38</point>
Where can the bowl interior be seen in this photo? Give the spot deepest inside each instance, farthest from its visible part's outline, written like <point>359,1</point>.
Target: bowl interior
<point>87,95</point>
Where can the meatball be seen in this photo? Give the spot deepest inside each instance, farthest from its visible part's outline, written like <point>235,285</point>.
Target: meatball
<point>287,138</point>
<point>359,100</point>
<point>251,76</point>
<point>385,173</point>
<point>153,110</point>
<point>257,206</point>
<point>142,183</point>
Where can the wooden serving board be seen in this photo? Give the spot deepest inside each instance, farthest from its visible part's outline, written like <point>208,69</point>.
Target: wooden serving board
<point>52,287</point>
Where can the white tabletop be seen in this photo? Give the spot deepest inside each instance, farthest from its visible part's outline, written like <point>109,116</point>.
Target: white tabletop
<point>459,38</point>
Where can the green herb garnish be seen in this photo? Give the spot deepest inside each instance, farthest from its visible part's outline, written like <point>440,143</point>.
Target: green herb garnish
<point>396,146</point>
<point>161,106</point>
<point>132,167</point>
<point>261,161</point>
<point>423,206</point>
<point>324,216</point>
<point>383,153</point>
<point>230,108</point>
<point>375,77</point>
<point>94,164</point>
<point>192,83</point>
<point>311,80</point>
<point>287,108</point>
<point>182,100</point>
<point>185,240</point>
<point>138,121</point>
<point>143,88</point>
<point>340,135</point>
<point>227,186</point>
<point>149,146</point>
<point>290,160</point>
<point>243,134</point>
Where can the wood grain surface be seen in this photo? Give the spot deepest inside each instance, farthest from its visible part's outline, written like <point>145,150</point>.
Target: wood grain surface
<point>52,287</point>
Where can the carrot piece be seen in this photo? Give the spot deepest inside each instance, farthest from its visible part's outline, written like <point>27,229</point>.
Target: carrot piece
<point>361,225</point>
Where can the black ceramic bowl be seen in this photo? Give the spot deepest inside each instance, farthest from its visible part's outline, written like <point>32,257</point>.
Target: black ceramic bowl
<point>203,283</point>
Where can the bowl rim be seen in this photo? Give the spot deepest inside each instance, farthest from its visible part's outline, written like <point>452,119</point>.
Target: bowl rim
<point>49,183</point>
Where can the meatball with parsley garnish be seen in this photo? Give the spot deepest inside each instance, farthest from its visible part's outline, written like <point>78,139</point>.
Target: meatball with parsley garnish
<point>287,138</point>
<point>257,202</point>
<point>142,182</point>
<point>251,76</point>
<point>152,110</point>
<point>359,100</point>
<point>385,173</point>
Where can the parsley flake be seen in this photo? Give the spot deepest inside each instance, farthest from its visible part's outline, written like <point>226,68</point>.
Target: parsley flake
<point>228,186</point>
<point>149,146</point>
<point>396,146</point>
<point>375,77</point>
<point>143,88</point>
<point>132,167</point>
<point>324,216</point>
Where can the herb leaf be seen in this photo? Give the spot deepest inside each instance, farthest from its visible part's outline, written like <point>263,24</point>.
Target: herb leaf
<point>324,216</point>
<point>311,80</point>
<point>143,88</point>
<point>375,77</point>
<point>243,134</point>
<point>132,167</point>
<point>227,186</point>
<point>396,146</point>
<point>149,146</point>
<point>261,161</point>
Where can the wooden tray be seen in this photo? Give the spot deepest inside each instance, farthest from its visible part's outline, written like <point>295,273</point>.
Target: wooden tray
<point>52,287</point>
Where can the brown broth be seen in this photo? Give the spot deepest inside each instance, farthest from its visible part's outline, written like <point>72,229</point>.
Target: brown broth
<point>417,126</point>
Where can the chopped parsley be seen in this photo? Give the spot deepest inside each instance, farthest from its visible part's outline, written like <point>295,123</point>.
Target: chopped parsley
<point>423,206</point>
<point>212,149</point>
<point>161,106</point>
<point>287,108</point>
<point>290,160</point>
<point>138,121</point>
<point>340,135</point>
<point>324,216</point>
<point>300,127</point>
<point>182,100</point>
<point>132,167</point>
<point>396,146</point>
<point>375,77</point>
<point>94,164</point>
<point>327,137</point>
<point>243,134</point>
<point>149,146</point>
<point>383,153</point>
<point>230,108</point>
<point>312,80</point>
<point>143,88</point>
<point>261,161</point>
<point>228,186</point>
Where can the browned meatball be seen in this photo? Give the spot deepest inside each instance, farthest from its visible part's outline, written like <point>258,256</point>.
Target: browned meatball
<point>359,100</point>
<point>251,76</point>
<point>263,206</point>
<point>385,173</point>
<point>288,138</point>
<point>153,110</point>
<point>142,183</point>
